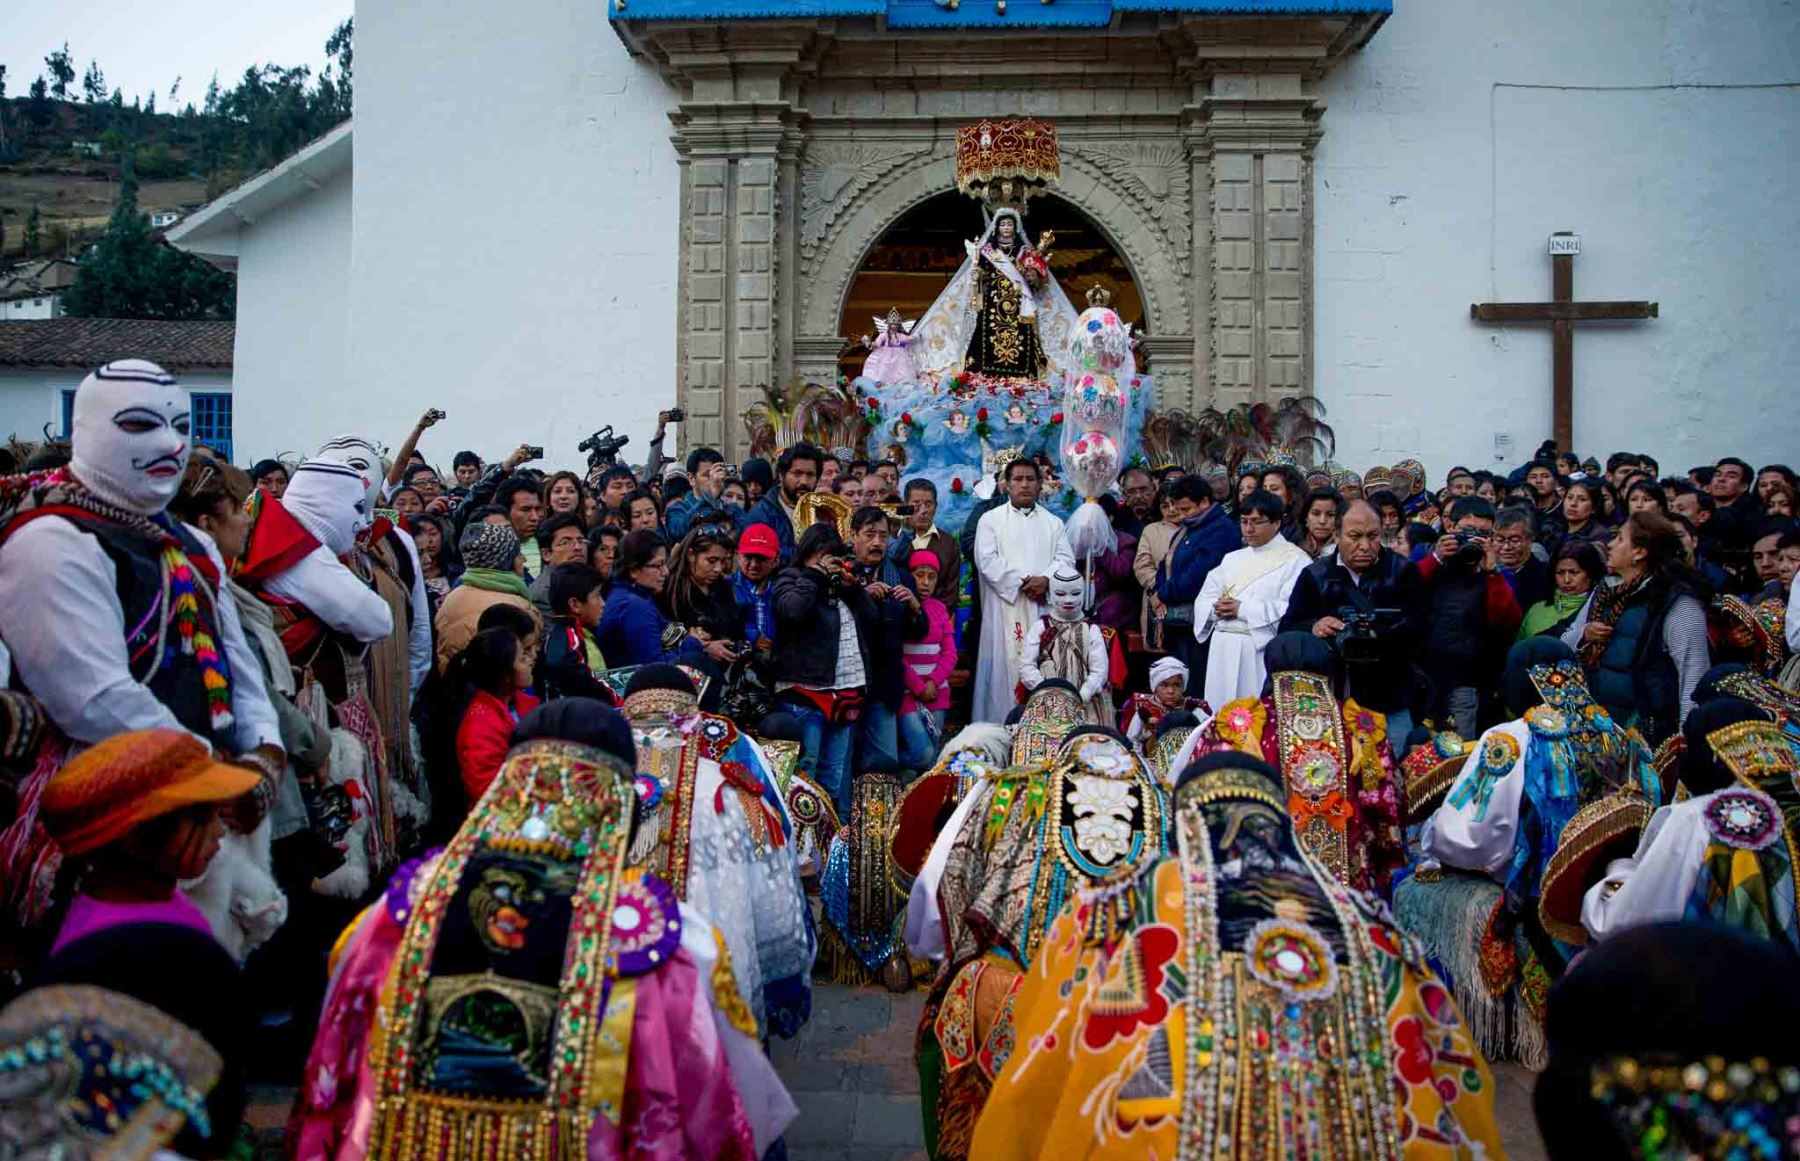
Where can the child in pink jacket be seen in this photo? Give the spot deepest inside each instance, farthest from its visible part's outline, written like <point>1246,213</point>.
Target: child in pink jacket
<point>927,667</point>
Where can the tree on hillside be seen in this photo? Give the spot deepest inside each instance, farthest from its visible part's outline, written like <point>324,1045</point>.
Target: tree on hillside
<point>62,71</point>
<point>38,107</point>
<point>33,238</point>
<point>93,83</point>
<point>132,274</point>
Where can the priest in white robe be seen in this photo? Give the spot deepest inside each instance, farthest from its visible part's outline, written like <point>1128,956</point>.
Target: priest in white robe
<point>1017,547</point>
<point>1241,604</point>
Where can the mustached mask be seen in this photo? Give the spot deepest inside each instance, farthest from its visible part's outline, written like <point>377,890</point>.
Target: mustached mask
<point>331,501</point>
<point>361,454</point>
<point>130,435</point>
<point>1067,596</point>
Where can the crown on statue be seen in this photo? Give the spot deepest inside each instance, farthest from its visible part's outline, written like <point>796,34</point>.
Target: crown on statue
<point>1099,296</point>
<point>1007,161</point>
<point>1006,457</point>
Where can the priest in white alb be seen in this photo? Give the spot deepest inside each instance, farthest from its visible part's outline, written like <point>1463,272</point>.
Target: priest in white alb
<point>1017,546</point>
<point>1241,603</point>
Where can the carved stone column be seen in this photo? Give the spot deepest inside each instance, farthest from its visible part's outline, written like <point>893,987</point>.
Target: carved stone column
<point>737,133</point>
<point>1258,132</point>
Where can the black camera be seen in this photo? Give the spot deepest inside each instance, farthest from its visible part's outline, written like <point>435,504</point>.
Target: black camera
<point>905,510</point>
<point>603,446</point>
<point>674,415</point>
<point>534,451</point>
<point>1471,548</point>
<point>437,413</point>
<point>1363,629</point>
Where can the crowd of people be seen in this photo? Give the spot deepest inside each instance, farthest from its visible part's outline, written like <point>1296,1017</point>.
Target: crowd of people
<point>510,812</point>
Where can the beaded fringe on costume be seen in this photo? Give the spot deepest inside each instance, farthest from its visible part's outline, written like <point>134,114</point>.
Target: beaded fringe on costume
<point>1450,917</point>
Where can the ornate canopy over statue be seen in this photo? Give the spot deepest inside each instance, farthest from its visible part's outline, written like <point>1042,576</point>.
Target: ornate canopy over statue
<point>1003,315</point>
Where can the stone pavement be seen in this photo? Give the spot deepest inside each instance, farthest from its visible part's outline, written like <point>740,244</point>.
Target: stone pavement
<point>851,1072</point>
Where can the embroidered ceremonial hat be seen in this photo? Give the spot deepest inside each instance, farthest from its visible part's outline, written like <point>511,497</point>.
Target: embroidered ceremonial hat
<point>1601,831</point>
<point>1430,770</point>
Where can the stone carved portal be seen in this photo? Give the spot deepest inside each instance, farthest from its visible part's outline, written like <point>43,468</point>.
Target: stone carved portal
<point>1186,141</point>
<point>911,262</point>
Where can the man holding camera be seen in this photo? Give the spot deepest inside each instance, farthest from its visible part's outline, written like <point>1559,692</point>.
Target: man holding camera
<point>898,619</point>
<point>1471,616</point>
<point>706,472</point>
<point>1363,599</point>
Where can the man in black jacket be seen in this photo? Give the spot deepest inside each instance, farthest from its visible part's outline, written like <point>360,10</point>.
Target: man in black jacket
<point>824,620</point>
<point>898,619</point>
<point>1364,599</point>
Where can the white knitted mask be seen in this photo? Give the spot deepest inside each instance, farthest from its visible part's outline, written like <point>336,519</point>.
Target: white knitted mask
<point>365,457</point>
<point>330,501</point>
<point>1067,595</point>
<point>130,435</point>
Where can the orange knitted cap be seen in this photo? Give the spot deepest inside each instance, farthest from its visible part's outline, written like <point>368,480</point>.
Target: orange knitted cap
<point>106,790</point>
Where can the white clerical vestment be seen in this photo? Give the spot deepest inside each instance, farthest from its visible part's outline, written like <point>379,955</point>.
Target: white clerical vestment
<point>1261,579</point>
<point>1011,544</point>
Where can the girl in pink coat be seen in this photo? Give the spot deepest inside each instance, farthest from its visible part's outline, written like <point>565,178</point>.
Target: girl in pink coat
<point>928,663</point>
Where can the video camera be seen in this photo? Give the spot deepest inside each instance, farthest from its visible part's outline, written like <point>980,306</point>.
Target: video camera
<point>603,447</point>
<point>1363,629</point>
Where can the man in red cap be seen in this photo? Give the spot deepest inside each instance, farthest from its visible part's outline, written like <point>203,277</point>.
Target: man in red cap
<point>758,549</point>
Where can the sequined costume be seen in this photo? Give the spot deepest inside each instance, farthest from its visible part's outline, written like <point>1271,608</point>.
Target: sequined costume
<point>1338,767</point>
<point>526,994</point>
<point>1233,999</point>
<point>1043,834</point>
<point>1725,855</point>
<point>1474,900</point>
<point>716,828</point>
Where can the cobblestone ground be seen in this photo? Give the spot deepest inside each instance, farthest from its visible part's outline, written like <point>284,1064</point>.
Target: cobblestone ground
<point>851,1072</point>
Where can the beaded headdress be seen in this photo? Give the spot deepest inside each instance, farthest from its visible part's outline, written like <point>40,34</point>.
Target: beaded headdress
<point>1051,711</point>
<point>87,1072</point>
<point>1703,1108</point>
<point>515,980</point>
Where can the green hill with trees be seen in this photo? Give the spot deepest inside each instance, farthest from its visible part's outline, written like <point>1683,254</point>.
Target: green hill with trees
<point>81,169</point>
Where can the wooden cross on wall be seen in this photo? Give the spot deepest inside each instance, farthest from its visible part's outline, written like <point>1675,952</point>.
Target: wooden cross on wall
<point>1562,312</point>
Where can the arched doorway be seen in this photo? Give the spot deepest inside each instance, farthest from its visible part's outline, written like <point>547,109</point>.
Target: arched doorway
<point>916,257</point>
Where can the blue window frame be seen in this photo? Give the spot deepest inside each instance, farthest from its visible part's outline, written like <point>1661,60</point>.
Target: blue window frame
<point>68,412</point>
<point>211,411</point>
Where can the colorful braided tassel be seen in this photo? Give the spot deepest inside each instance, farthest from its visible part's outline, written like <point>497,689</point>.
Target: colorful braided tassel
<point>192,639</point>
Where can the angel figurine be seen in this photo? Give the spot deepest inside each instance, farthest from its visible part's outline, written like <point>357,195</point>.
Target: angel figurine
<point>889,359</point>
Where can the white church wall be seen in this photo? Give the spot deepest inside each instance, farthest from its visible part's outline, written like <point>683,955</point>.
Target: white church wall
<point>516,227</point>
<point>1466,132</point>
<point>290,356</point>
<point>30,397</point>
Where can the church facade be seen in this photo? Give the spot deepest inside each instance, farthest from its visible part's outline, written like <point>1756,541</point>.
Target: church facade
<point>1187,136</point>
<point>667,202</point>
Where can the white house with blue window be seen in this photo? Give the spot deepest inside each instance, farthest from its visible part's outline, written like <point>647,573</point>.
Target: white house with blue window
<point>625,205</point>
<point>42,361</point>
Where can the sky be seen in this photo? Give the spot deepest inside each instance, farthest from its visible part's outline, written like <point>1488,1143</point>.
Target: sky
<point>145,47</point>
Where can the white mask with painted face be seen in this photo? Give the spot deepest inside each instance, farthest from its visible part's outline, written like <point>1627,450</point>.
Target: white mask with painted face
<point>365,457</point>
<point>129,435</point>
<point>1066,597</point>
<point>330,501</point>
